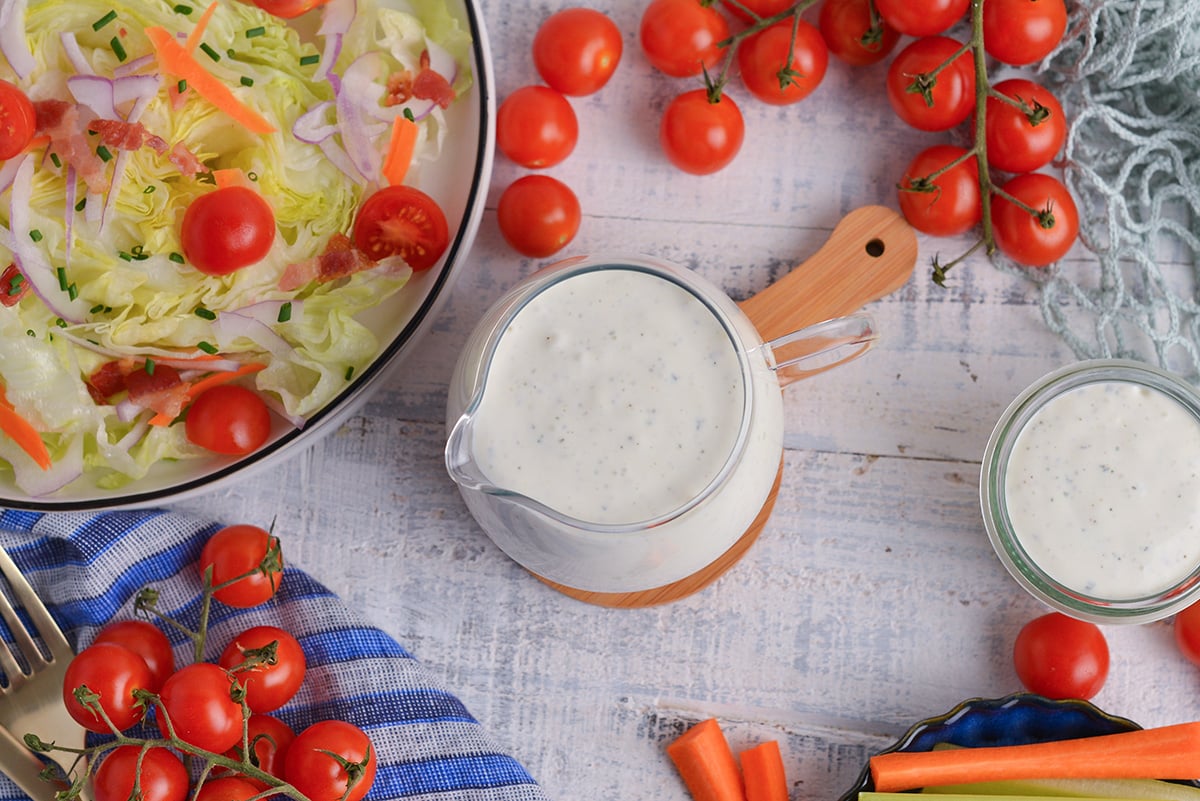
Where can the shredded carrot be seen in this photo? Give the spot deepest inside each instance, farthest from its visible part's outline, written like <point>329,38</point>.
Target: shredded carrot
<point>193,40</point>
<point>763,773</point>
<point>231,176</point>
<point>175,59</point>
<point>208,382</point>
<point>705,762</point>
<point>23,433</point>
<point>1167,752</point>
<point>401,145</point>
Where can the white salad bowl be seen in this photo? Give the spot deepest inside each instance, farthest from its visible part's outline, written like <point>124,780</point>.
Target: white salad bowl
<point>458,180</point>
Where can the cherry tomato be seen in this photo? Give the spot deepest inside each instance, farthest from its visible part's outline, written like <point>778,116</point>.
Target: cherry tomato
<point>576,50</point>
<point>228,788</point>
<point>852,35</point>
<point>243,550</point>
<point>163,776</point>
<point>742,9</point>
<point>402,221</point>
<point>922,17</point>
<point>700,136</point>
<point>147,641</point>
<point>1014,144</point>
<point>227,229</point>
<point>228,419</point>
<point>1187,633</point>
<point>763,56</point>
<point>113,672</point>
<point>952,92</point>
<point>1035,240</point>
<point>538,215</point>
<point>273,681</point>
<point>315,773</point>
<point>953,206</point>
<point>269,739</point>
<point>1021,32</point>
<point>1061,657</point>
<point>18,121</point>
<point>199,705</point>
<point>681,37</point>
<point>536,127</point>
<point>289,9</point>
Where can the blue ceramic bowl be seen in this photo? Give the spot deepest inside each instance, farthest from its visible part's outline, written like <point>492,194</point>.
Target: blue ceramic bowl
<point>1012,720</point>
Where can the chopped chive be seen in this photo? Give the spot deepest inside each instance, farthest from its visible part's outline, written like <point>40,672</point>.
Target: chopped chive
<point>247,81</point>
<point>149,190</point>
<point>14,284</point>
<point>149,366</point>
<point>73,292</point>
<point>62,278</point>
<point>181,87</point>
<point>306,60</point>
<point>60,322</point>
<point>81,204</point>
<point>35,235</point>
<point>408,115</point>
<point>139,252</point>
<point>207,314</point>
<point>57,161</point>
<point>176,257</point>
<point>208,51</point>
<point>117,48</point>
<point>183,9</point>
<point>252,175</point>
<point>107,18</point>
<point>207,347</point>
<point>99,307</point>
<point>285,312</point>
<point>350,372</point>
<point>103,153</point>
<point>231,52</point>
<point>257,31</point>
<point>29,332</point>
<point>125,256</point>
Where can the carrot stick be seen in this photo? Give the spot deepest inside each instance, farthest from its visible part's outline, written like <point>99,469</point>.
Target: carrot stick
<point>1167,752</point>
<point>175,59</point>
<point>193,40</point>
<point>401,145</point>
<point>704,760</point>
<point>208,382</point>
<point>763,773</point>
<point>23,433</point>
<point>231,176</point>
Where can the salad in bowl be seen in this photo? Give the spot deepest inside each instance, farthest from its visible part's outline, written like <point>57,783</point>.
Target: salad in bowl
<point>218,224</point>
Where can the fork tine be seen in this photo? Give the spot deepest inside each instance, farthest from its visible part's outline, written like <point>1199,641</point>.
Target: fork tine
<point>47,628</point>
<point>8,663</point>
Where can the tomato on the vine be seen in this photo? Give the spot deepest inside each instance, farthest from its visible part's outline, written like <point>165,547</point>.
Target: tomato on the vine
<point>1061,657</point>
<point>682,37</point>
<point>536,127</point>
<point>576,50</point>
<point>401,220</point>
<point>227,229</point>
<point>947,205</point>
<point>198,703</point>
<point>312,768</point>
<point>269,683</point>
<point>1035,240</point>
<point>112,672</point>
<point>228,788</point>
<point>18,121</point>
<point>851,33</point>
<point>239,550</point>
<point>538,215</point>
<point>743,9</point>
<point>766,71</point>
<point>1187,633</point>
<point>163,776</point>
<point>269,738</point>
<point>147,641</point>
<point>952,91</point>
<point>922,17</point>
<point>1020,32</point>
<point>1014,143</point>
<point>228,419</point>
<point>700,135</point>
<point>289,9</point>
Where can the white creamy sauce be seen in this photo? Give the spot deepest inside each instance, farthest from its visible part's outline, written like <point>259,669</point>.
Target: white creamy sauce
<point>613,396</point>
<point>1103,490</point>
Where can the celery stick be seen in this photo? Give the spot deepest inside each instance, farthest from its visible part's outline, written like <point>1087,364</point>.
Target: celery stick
<point>1138,789</point>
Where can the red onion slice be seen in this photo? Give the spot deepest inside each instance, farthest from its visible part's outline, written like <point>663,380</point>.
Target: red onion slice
<point>336,18</point>
<point>231,325</point>
<point>314,125</point>
<point>13,43</point>
<point>31,260</point>
<point>357,94</point>
<point>75,53</point>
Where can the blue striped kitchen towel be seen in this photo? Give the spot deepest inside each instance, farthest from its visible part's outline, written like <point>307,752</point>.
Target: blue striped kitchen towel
<point>88,567</point>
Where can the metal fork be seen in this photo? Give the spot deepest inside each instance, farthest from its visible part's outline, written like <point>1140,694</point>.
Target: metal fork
<point>32,700</point>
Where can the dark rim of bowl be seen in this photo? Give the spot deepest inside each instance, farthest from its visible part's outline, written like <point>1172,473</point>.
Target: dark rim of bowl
<point>474,196</point>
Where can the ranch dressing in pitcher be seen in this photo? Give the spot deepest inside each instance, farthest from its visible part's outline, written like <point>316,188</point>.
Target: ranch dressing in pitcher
<point>614,396</point>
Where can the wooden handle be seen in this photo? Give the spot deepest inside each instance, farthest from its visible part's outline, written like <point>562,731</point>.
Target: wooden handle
<point>871,253</point>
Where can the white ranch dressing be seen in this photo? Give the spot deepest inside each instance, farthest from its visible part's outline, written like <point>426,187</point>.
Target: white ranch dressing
<point>1103,490</point>
<point>613,396</point>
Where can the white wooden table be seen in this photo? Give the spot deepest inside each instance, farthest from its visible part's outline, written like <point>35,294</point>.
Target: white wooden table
<point>871,600</point>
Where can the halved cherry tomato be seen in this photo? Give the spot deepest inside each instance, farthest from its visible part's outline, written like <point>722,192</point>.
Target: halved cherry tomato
<point>289,9</point>
<point>17,120</point>
<point>402,221</point>
<point>228,419</point>
<point>576,50</point>
<point>227,229</point>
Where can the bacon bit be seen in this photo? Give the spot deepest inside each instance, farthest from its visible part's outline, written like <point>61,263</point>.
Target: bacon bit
<point>108,379</point>
<point>127,135</point>
<point>185,160</point>
<point>10,296</point>
<point>162,391</point>
<point>339,259</point>
<point>59,120</point>
<point>399,88</point>
<point>427,85</point>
